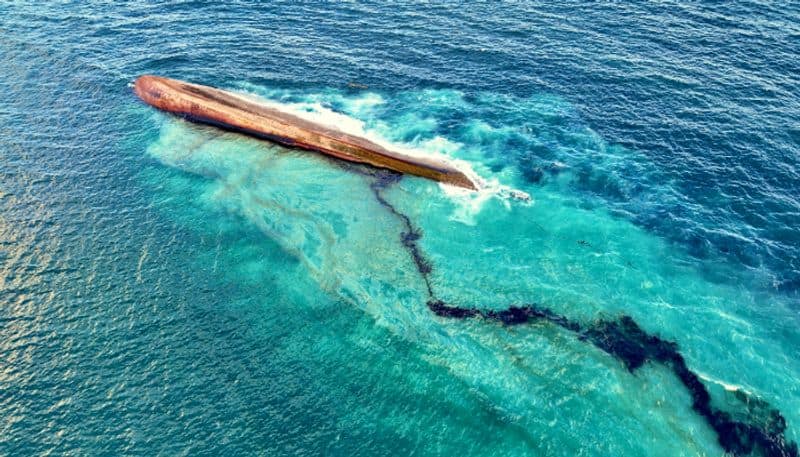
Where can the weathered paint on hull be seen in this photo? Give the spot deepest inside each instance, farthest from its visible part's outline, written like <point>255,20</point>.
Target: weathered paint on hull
<point>230,111</point>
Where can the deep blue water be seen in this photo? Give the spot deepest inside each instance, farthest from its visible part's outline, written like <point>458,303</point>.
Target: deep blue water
<point>170,290</point>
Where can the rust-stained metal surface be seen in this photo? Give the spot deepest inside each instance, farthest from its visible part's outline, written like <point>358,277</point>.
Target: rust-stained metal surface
<point>234,112</point>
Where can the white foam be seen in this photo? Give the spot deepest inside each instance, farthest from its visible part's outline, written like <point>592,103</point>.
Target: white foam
<point>470,203</point>
<point>724,385</point>
<point>319,114</point>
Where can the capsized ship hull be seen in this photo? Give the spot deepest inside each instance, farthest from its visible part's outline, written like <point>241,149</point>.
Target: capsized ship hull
<point>230,111</point>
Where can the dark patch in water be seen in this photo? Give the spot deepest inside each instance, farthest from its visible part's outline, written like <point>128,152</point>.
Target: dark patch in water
<point>409,236</point>
<point>534,175</point>
<point>760,430</point>
<point>555,168</point>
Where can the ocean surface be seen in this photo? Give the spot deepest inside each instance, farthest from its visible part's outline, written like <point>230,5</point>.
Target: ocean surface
<point>173,289</point>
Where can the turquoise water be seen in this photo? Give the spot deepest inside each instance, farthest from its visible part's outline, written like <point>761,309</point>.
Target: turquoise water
<point>175,289</point>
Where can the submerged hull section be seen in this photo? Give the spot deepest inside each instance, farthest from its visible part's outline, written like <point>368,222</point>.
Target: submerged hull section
<point>231,111</point>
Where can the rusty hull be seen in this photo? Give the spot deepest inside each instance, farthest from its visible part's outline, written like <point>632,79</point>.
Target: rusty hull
<point>234,112</point>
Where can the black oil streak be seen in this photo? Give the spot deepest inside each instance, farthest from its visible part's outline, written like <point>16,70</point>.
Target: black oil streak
<point>623,339</point>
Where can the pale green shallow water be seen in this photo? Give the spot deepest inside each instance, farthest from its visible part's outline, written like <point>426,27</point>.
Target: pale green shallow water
<point>540,385</point>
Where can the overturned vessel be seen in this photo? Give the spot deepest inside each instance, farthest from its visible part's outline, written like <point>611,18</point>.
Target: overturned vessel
<point>231,111</point>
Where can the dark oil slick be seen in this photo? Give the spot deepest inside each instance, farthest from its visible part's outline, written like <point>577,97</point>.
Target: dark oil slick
<point>760,433</point>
